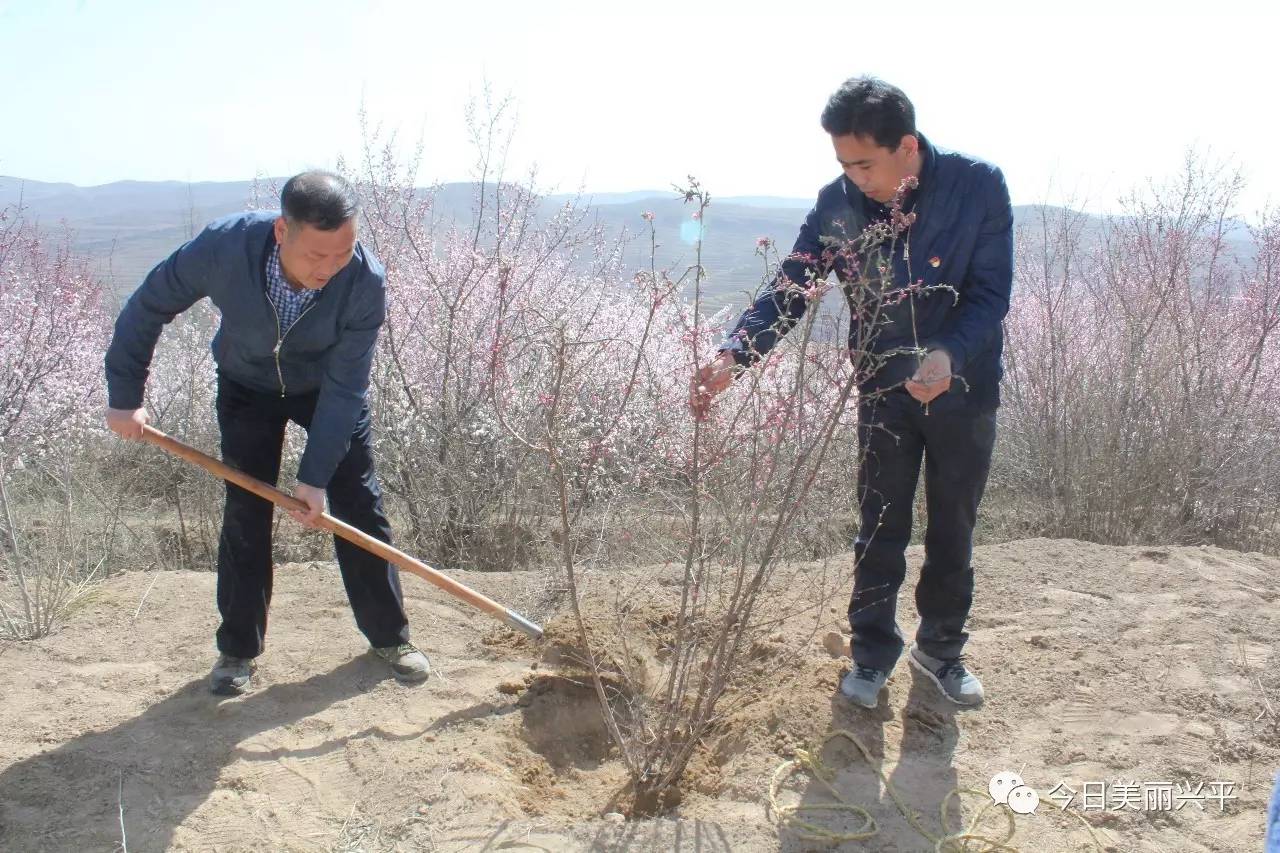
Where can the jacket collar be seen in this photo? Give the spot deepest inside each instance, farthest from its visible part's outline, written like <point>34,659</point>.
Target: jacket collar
<point>928,165</point>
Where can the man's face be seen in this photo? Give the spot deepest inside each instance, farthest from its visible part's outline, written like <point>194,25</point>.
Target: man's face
<point>874,169</point>
<point>311,257</point>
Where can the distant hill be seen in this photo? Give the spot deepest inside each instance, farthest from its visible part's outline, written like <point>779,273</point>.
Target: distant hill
<point>129,226</point>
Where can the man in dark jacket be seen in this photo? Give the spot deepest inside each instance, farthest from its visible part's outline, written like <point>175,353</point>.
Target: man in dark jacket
<point>301,303</point>
<point>939,409</point>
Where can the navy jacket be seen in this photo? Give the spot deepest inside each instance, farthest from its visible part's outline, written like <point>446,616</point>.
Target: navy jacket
<point>964,223</point>
<point>329,348</point>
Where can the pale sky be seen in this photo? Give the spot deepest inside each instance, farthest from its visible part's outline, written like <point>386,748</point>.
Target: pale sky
<point>614,97</point>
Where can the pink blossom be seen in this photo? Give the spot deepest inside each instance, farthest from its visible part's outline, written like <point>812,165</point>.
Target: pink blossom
<point>52,335</point>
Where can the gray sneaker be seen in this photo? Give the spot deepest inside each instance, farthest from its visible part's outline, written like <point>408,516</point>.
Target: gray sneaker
<point>862,685</point>
<point>955,681</point>
<point>407,663</point>
<point>231,675</point>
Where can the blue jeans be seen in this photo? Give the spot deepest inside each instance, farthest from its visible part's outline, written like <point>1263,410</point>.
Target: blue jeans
<point>954,444</point>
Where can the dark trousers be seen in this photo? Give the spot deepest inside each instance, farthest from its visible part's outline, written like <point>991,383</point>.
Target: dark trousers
<point>252,424</point>
<point>955,445</point>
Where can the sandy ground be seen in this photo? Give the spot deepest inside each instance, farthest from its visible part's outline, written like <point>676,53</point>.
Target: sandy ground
<point>1102,665</point>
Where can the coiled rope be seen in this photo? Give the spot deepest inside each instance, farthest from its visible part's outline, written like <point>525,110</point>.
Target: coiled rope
<point>961,840</point>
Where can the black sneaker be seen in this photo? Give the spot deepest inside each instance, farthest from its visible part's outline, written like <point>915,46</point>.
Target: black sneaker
<point>407,663</point>
<point>862,685</point>
<point>955,681</point>
<point>231,675</point>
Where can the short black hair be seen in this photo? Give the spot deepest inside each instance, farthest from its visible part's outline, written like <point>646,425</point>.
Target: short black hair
<point>320,199</point>
<point>867,106</point>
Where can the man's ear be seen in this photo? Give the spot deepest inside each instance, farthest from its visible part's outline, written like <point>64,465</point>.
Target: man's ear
<point>909,144</point>
<point>281,226</point>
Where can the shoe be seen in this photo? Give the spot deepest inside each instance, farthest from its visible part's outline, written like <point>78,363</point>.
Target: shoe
<point>407,663</point>
<point>231,675</point>
<point>862,685</point>
<point>955,681</point>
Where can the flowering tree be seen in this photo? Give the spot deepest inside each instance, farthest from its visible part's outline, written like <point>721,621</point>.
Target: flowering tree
<point>460,483</point>
<point>52,334</point>
<point>1143,370</point>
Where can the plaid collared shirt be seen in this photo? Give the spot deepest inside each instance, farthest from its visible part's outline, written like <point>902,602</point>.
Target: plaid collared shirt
<point>289,303</point>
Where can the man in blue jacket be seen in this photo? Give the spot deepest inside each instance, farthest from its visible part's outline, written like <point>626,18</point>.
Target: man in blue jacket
<point>301,303</point>
<point>939,409</point>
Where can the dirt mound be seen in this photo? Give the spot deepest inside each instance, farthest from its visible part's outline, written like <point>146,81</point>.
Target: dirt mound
<point>1102,665</point>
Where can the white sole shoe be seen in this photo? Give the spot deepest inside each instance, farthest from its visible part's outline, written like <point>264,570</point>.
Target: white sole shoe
<point>937,683</point>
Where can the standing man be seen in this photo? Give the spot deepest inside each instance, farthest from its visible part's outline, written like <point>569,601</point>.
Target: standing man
<point>301,303</point>
<point>911,410</point>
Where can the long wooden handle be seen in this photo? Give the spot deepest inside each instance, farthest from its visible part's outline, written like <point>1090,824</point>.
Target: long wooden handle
<point>346,531</point>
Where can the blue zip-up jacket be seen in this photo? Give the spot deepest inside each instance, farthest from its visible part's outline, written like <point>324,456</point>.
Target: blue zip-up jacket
<point>964,223</point>
<point>329,348</point>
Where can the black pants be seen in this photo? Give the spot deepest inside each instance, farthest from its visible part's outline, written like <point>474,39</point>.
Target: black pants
<point>955,445</point>
<point>252,424</point>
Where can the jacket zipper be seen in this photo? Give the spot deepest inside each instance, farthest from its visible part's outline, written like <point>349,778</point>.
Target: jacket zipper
<point>280,336</point>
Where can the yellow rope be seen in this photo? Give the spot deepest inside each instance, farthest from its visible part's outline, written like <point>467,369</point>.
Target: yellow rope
<point>948,842</point>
